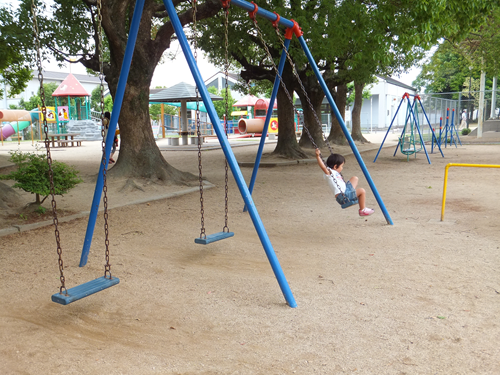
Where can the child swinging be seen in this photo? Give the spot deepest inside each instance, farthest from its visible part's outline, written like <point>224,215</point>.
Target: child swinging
<point>346,194</point>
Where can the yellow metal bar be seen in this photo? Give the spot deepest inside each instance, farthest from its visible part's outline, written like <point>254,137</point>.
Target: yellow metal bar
<point>459,165</point>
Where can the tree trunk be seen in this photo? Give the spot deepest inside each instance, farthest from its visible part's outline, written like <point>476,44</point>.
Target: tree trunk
<point>287,145</point>
<point>139,155</point>
<point>356,113</point>
<point>312,117</point>
<point>336,134</point>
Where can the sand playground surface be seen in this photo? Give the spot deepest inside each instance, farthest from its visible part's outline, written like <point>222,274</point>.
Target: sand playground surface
<point>421,296</point>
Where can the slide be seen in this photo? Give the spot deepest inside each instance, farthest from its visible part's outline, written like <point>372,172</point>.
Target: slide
<point>14,116</point>
<point>12,128</point>
<point>256,125</point>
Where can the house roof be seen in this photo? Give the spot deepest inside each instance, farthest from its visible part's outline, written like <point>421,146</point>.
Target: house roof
<point>178,93</point>
<point>231,76</point>
<point>60,76</point>
<point>70,87</point>
<point>395,82</point>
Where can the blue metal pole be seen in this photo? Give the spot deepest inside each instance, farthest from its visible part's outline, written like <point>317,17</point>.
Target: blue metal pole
<point>344,129</point>
<point>446,128</point>
<point>276,86</point>
<point>419,133</point>
<point>386,134</point>
<point>430,126</point>
<point>401,138</point>
<point>226,148</point>
<point>117,105</point>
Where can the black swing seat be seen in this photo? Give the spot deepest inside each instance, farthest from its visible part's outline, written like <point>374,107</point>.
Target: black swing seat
<point>213,237</point>
<point>85,290</point>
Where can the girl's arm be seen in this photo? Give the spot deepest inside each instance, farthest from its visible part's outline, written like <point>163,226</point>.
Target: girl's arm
<point>320,162</point>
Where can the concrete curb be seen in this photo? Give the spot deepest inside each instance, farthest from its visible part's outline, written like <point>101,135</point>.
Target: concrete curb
<point>27,227</point>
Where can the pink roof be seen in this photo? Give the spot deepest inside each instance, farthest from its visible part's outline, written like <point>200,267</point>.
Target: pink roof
<point>70,87</point>
<point>245,101</point>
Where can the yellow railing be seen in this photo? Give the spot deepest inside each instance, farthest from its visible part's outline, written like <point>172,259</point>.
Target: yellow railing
<point>459,165</point>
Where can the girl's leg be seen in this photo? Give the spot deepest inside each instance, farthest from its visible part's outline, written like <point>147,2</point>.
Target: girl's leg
<point>361,194</point>
<point>354,181</point>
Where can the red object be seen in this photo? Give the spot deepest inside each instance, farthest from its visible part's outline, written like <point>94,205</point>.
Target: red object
<point>246,101</point>
<point>225,3</point>
<point>293,30</point>
<point>276,22</point>
<point>70,87</point>
<point>262,104</point>
<point>253,12</point>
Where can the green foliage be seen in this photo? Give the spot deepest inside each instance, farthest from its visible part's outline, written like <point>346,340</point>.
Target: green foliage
<point>95,101</point>
<point>220,105</point>
<point>41,210</point>
<point>466,131</point>
<point>32,175</point>
<point>155,110</point>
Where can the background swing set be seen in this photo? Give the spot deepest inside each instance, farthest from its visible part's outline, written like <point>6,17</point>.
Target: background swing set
<point>408,142</point>
<point>292,28</point>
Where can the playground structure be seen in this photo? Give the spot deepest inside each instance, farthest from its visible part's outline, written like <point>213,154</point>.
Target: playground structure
<point>449,130</point>
<point>77,103</point>
<point>292,29</point>
<point>16,121</point>
<point>407,141</point>
<point>448,166</point>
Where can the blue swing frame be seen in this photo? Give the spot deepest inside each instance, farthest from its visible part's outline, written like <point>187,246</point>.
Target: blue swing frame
<point>226,148</point>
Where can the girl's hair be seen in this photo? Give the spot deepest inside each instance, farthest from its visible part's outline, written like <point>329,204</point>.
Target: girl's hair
<point>334,161</point>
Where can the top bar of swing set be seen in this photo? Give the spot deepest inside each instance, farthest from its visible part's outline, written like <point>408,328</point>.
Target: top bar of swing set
<point>293,28</point>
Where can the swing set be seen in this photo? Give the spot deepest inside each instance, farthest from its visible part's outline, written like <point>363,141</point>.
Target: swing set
<point>408,143</point>
<point>66,296</point>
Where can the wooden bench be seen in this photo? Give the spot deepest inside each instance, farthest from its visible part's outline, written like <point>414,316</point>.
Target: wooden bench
<point>69,142</point>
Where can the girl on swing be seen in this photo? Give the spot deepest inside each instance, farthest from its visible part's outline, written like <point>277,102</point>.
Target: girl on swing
<point>332,170</point>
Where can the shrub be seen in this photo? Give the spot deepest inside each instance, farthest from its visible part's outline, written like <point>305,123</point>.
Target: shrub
<point>32,175</point>
<point>466,131</point>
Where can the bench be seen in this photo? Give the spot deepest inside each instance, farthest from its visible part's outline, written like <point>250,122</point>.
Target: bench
<point>68,142</point>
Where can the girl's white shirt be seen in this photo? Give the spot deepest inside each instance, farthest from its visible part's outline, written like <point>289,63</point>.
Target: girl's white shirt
<point>331,182</point>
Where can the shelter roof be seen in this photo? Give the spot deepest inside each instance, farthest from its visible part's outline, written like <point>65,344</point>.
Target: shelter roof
<point>246,101</point>
<point>70,87</point>
<point>178,93</point>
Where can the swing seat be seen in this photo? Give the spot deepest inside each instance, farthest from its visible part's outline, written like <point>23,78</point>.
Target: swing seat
<point>85,290</point>
<point>213,237</point>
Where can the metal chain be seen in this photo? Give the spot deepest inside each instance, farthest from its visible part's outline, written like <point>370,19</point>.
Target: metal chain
<point>107,266</point>
<point>198,128</point>
<point>296,74</point>
<point>226,115</point>
<point>47,146</point>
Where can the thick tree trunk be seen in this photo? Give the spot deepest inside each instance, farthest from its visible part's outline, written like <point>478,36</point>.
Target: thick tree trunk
<point>356,113</point>
<point>337,136</point>
<point>312,117</point>
<point>139,155</point>
<point>287,145</point>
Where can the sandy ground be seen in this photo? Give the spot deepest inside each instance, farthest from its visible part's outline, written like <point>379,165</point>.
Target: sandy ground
<point>417,297</point>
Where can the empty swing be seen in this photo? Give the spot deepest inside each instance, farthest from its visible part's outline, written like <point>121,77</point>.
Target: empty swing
<point>348,200</point>
<point>407,141</point>
<point>205,239</point>
<point>67,296</point>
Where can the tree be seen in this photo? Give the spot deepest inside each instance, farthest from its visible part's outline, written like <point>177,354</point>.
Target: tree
<point>220,105</point>
<point>69,29</point>
<point>32,175</point>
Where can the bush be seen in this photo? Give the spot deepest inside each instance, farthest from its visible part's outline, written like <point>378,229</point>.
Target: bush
<point>466,131</point>
<point>32,175</point>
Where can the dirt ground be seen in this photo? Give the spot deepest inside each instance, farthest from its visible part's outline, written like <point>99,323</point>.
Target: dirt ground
<point>418,297</point>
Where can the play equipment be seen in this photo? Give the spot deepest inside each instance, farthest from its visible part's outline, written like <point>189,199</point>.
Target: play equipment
<point>256,124</point>
<point>67,296</point>
<point>13,128</point>
<point>292,29</point>
<point>407,141</point>
<point>450,130</point>
<point>448,166</point>
<point>225,233</point>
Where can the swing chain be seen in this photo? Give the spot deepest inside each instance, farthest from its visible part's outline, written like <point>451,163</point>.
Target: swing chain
<point>107,266</point>
<point>226,115</point>
<point>47,146</point>
<point>198,128</point>
<point>304,92</point>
